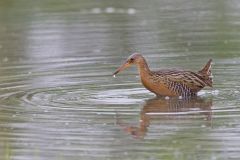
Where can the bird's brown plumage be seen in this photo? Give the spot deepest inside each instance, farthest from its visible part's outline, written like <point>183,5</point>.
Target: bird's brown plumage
<point>170,82</point>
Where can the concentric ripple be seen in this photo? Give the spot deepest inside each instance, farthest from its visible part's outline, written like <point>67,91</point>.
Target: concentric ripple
<point>88,109</point>
<point>74,115</point>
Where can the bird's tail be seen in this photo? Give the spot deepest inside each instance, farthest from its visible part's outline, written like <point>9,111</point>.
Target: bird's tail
<point>207,73</point>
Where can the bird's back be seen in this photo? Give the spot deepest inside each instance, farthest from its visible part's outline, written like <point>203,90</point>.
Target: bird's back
<point>180,82</point>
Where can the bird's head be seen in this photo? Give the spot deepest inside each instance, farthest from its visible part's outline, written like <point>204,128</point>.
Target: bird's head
<point>135,58</point>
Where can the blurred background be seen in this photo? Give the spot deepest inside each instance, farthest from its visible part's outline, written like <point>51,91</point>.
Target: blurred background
<point>58,99</point>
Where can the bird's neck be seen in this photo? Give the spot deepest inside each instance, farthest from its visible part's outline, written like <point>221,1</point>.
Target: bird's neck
<point>145,75</point>
<point>143,68</point>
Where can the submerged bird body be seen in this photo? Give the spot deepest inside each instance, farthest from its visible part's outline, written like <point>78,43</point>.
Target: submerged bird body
<point>170,82</point>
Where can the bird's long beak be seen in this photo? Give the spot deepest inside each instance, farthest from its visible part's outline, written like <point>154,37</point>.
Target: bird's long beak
<point>121,68</point>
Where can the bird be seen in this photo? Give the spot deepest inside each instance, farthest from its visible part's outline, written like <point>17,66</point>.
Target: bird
<point>169,82</point>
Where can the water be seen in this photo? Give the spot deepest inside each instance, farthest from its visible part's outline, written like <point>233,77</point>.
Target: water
<point>58,99</point>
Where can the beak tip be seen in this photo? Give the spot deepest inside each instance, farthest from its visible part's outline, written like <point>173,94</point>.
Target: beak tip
<point>114,74</point>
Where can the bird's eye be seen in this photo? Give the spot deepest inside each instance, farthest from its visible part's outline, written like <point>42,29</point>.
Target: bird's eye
<point>131,59</point>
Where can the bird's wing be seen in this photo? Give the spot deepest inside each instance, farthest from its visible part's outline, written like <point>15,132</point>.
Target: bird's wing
<point>183,79</point>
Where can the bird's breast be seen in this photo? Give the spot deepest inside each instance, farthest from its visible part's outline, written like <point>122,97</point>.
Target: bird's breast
<point>158,87</point>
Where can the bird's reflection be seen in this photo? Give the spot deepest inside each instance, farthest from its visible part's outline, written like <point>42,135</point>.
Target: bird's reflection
<point>168,109</point>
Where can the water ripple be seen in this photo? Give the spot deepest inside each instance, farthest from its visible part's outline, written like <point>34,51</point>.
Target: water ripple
<point>58,99</point>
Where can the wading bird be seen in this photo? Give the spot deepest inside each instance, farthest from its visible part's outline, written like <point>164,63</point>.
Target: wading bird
<point>169,82</point>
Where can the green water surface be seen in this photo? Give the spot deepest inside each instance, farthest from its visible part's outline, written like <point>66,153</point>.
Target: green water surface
<point>59,101</point>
